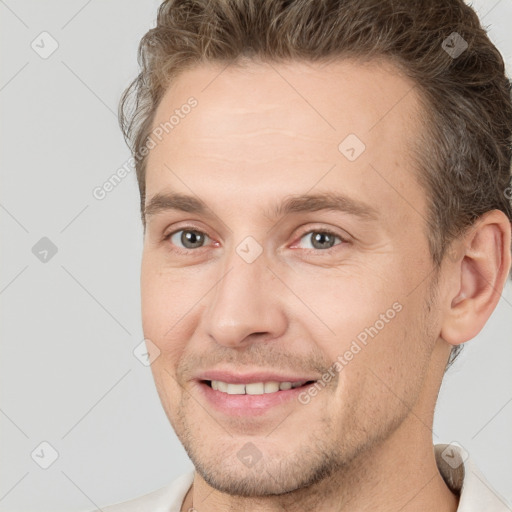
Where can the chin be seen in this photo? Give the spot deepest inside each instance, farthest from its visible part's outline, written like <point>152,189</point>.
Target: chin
<point>272,475</point>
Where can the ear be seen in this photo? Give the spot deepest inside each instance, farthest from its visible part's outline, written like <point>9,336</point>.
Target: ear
<point>481,271</point>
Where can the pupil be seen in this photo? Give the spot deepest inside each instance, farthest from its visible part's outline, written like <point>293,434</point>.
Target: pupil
<point>323,240</point>
<point>191,238</point>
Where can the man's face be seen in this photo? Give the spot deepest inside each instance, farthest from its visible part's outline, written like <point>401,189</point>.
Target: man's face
<point>245,293</point>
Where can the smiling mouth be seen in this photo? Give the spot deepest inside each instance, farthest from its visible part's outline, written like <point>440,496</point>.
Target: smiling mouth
<point>255,388</point>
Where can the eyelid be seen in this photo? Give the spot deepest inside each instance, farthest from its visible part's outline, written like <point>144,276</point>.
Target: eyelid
<point>185,227</point>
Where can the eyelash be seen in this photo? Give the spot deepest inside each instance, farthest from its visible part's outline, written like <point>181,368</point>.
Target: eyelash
<point>309,232</point>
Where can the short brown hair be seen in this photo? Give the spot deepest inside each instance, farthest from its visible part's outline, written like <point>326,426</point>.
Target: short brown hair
<point>465,152</point>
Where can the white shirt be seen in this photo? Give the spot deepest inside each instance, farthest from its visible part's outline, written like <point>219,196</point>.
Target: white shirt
<point>461,476</point>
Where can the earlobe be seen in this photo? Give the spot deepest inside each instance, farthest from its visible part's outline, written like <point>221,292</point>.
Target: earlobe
<point>482,271</point>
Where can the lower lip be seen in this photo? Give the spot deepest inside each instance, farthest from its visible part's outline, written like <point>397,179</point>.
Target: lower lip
<point>249,405</point>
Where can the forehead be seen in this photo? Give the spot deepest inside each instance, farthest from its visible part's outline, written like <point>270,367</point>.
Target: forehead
<point>283,127</point>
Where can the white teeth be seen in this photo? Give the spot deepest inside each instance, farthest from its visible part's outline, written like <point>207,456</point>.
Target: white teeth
<point>236,389</point>
<point>254,388</point>
<point>271,387</point>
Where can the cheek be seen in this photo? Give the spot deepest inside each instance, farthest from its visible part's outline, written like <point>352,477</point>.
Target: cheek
<point>383,381</point>
<point>378,334</point>
<point>169,298</point>
<point>350,304</point>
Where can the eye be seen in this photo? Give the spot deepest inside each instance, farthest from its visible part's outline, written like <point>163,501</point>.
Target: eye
<point>321,239</point>
<point>187,238</point>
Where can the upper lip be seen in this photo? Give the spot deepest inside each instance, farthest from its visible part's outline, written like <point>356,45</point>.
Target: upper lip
<point>254,376</point>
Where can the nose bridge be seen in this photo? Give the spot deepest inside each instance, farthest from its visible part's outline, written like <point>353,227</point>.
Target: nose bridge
<point>243,302</point>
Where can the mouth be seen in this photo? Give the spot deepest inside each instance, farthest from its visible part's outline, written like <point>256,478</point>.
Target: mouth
<point>251,399</point>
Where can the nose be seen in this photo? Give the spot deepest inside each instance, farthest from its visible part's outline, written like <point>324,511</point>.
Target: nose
<point>246,304</point>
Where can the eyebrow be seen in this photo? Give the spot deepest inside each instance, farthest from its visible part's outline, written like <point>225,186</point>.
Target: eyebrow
<point>162,202</point>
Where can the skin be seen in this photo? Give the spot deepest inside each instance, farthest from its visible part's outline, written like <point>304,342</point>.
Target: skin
<point>259,134</point>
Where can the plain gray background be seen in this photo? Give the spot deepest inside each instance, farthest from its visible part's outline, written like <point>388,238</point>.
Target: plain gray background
<point>70,323</point>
